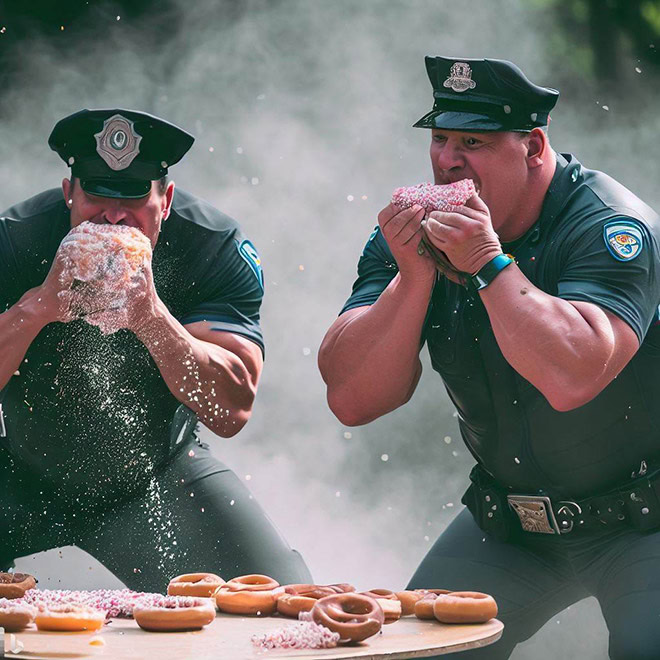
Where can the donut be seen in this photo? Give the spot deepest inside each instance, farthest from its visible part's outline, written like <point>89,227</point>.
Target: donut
<point>69,618</point>
<point>14,585</point>
<point>408,600</point>
<point>249,594</point>
<point>15,615</point>
<point>464,607</point>
<point>116,603</point>
<point>292,605</point>
<point>174,613</point>
<point>194,584</point>
<point>389,603</point>
<point>434,198</point>
<point>354,616</point>
<point>424,606</point>
<point>108,260</point>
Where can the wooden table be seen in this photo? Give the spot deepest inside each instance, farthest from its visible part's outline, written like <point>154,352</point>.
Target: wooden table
<point>228,637</point>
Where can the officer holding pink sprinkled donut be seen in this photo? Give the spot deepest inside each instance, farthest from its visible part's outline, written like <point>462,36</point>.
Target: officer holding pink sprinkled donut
<point>535,284</point>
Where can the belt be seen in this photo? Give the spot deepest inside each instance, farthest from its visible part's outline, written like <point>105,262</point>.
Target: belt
<point>635,504</point>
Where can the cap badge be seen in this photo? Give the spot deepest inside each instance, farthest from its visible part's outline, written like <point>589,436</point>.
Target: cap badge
<point>460,77</point>
<point>623,239</point>
<point>118,143</point>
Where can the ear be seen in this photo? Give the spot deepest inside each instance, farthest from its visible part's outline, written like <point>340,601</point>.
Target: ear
<point>537,143</point>
<point>67,188</point>
<point>167,197</point>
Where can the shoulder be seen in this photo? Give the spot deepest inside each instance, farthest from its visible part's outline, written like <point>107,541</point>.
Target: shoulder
<point>201,214</point>
<point>591,202</point>
<point>43,204</point>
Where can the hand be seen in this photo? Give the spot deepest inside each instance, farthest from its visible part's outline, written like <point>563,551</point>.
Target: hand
<point>402,229</point>
<point>465,235</point>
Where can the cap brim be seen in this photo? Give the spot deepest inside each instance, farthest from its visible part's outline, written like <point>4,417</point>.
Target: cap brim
<point>460,121</point>
<point>116,188</point>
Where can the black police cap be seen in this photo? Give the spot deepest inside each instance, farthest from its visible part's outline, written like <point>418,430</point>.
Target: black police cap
<point>484,95</point>
<point>118,153</point>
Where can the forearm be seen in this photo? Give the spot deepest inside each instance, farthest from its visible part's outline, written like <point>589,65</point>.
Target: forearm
<point>370,362</point>
<point>19,326</point>
<point>558,349</point>
<point>209,379</point>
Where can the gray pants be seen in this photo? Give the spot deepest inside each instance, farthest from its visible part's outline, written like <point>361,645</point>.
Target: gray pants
<point>194,515</point>
<point>541,575</point>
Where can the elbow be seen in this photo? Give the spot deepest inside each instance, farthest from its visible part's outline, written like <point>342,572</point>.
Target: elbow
<point>346,411</point>
<point>228,427</point>
<point>565,397</point>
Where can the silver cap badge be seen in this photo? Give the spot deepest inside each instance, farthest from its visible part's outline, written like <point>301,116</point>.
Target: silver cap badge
<point>118,143</point>
<point>460,77</point>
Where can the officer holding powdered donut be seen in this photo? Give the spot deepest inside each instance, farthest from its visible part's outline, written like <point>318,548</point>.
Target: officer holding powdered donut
<point>130,310</point>
<point>538,300</point>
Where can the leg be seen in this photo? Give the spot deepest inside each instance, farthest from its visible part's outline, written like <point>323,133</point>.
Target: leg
<point>197,516</point>
<point>31,518</point>
<point>528,585</point>
<point>629,596</point>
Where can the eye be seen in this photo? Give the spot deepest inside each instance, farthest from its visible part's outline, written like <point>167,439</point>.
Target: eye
<point>472,142</point>
<point>439,138</point>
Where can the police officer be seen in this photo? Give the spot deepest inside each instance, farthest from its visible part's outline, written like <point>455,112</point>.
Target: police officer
<point>99,446</point>
<point>541,318</point>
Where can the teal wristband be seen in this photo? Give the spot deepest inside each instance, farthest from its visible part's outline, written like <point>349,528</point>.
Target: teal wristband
<point>490,271</point>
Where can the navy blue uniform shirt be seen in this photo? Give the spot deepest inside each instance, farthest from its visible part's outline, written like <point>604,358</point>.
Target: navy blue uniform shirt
<point>571,252</point>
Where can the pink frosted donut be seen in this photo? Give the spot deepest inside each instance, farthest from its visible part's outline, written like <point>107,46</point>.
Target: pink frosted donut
<point>434,198</point>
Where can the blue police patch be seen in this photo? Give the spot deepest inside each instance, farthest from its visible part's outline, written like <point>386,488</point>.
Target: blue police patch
<point>251,257</point>
<point>624,239</point>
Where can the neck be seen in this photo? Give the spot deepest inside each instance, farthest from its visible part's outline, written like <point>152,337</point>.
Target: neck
<point>530,210</point>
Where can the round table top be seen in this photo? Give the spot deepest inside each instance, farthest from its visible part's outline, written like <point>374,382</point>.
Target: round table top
<point>230,637</point>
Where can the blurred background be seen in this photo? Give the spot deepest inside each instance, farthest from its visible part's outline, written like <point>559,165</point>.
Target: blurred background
<point>302,111</point>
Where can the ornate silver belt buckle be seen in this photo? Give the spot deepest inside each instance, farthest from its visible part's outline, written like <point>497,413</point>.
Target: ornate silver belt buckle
<point>535,513</point>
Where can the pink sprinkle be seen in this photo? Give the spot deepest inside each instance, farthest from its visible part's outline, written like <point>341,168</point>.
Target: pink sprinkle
<point>434,198</point>
<point>300,635</point>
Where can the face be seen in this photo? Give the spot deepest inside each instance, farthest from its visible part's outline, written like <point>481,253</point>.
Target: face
<point>146,213</point>
<point>497,162</point>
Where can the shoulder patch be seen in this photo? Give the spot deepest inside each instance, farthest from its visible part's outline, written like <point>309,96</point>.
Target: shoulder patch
<point>624,239</point>
<point>251,257</point>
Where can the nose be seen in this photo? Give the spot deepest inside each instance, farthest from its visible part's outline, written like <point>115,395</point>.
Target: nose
<point>114,212</point>
<point>448,156</point>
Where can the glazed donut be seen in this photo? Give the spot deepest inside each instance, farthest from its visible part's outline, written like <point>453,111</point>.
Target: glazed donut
<point>314,591</point>
<point>408,600</point>
<point>292,605</point>
<point>14,585</point>
<point>424,606</point>
<point>388,601</point>
<point>15,615</point>
<point>174,613</point>
<point>434,198</point>
<point>464,607</point>
<point>249,594</point>
<point>69,618</point>
<point>354,616</point>
<point>202,585</point>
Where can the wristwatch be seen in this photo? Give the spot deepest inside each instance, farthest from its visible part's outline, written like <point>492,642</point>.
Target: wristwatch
<point>490,271</point>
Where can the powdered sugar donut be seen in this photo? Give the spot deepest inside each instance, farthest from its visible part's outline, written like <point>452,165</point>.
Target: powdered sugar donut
<point>103,262</point>
<point>434,198</point>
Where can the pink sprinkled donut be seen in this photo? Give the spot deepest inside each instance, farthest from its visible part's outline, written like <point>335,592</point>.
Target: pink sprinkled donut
<point>434,198</point>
